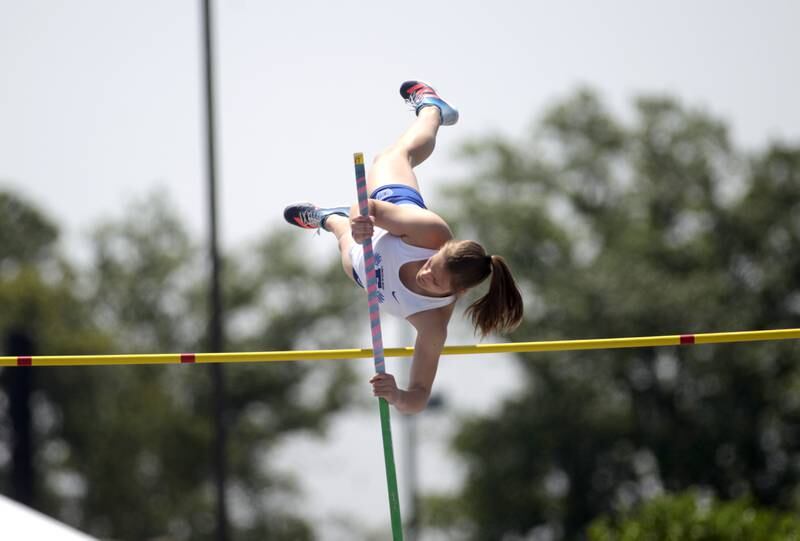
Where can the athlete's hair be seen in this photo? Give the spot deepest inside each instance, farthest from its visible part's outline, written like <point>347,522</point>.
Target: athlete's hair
<point>500,309</point>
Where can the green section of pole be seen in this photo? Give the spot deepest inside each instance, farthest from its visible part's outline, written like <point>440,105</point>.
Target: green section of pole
<point>391,475</point>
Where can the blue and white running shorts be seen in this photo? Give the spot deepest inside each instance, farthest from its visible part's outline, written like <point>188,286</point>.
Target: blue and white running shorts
<point>399,194</point>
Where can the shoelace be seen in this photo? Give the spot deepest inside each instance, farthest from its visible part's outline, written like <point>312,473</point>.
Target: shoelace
<point>415,99</point>
<point>310,216</point>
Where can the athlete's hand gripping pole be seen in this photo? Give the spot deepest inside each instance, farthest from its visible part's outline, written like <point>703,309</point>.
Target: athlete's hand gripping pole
<point>377,350</point>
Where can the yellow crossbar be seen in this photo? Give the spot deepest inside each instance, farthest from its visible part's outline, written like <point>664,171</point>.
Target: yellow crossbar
<point>338,354</point>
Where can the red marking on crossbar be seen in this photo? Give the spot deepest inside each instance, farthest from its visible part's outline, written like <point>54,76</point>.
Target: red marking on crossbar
<point>687,339</point>
<point>187,357</point>
<point>24,361</point>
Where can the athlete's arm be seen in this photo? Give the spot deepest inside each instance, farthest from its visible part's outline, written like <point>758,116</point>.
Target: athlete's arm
<point>414,225</point>
<point>431,335</point>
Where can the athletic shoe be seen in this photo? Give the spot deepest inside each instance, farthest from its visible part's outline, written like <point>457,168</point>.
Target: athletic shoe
<point>310,216</point>
<point>418,95</point>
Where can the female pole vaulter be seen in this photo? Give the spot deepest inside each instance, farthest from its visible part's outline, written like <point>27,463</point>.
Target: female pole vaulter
<point>421,269</point>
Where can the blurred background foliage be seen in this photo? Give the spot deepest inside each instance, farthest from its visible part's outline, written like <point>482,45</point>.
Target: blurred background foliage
<point>646,223</point>
<point>697,517</point>
<point>126,452</point>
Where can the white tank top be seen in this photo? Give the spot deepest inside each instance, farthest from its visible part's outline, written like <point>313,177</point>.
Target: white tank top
<point>391,253</point>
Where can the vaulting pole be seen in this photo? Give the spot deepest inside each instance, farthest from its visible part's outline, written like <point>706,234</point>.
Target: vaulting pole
<point>377,350</point>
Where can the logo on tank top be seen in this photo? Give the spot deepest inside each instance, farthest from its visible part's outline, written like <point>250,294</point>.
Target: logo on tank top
<point>379,276</point>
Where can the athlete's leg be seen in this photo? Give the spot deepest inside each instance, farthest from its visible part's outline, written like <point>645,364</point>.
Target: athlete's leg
<point>340,227</point>
<point>333,219</point>
<point>395,165</point>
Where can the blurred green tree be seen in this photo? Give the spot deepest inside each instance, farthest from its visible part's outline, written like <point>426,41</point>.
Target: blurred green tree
<point>654,226</point>
<point>693,517</point>
<point>133,444</point>
<point>42,312</point>
<point>148,284</point>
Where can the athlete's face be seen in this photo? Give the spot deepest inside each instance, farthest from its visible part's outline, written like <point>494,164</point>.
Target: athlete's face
<point>434,277</point>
